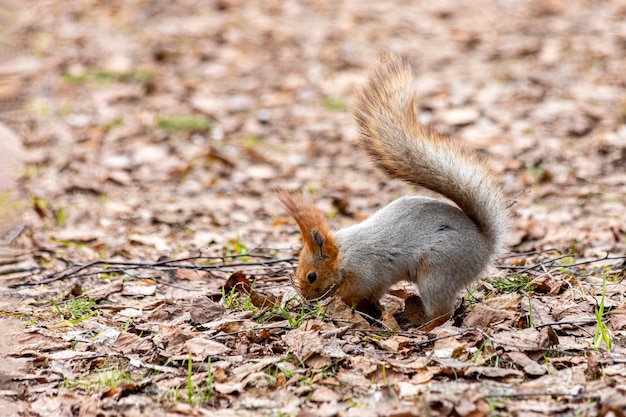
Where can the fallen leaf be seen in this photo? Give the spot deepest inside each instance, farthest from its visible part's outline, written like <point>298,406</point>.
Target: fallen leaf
<point>593,368</point>
<point>548,337</point>
<point>528,365</point>
<point>127,343</point>
<point>617,319</point>
<point>472,403</point>
<point>409,390</point>
<point>35,341</point>
<point>485,317</point>
<point>203,310</point>
<point>353,379</point>
<point>138,288</point>
<point>238,281</point>
<point>105,290</point>
<point>447,347</point>
<point>491,372</point>
<point>202,347</point>
<point>324,394</point>
<point>305,344</point>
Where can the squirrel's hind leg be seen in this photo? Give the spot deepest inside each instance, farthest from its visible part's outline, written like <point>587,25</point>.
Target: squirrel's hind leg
<point>437,299</point>
<point>415,313</point>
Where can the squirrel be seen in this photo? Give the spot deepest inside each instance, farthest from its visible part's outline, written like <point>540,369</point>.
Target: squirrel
<point>435,245</point>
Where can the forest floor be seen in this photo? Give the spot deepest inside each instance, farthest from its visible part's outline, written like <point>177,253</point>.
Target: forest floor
<point>146,261</point>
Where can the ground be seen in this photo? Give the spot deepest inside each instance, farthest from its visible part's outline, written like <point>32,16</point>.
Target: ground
<point>146,261</point>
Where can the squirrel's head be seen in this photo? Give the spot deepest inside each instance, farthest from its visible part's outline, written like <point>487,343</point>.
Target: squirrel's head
<point>317,275</point>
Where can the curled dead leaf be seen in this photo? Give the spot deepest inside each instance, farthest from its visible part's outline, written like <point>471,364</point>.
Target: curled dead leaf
<point>239,282</point>
<point>528,365</point>
<point>548,337</point>
<point>594,371</point>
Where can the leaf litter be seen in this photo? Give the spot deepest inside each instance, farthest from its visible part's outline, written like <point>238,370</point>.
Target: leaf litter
<point>146,263</point>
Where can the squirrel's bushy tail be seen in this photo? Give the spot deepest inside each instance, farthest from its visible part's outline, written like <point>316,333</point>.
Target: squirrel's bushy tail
<point>400,146</point>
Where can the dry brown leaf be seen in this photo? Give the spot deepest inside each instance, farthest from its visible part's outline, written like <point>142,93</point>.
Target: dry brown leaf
<point>567,310</point>
<point>167,313</point>
<point>89,407</point>
<point>408,365</point>
<point>560,381</point>
<point>236,323</point>
<point>242,372</point>
<point>491,372</point>
<point>35,341</point>
<point>523,339</point>
<point>447,347</point>
<point>60,405</point>
<point>528,365</point>
<point>173,337</point>
<point>424,376</point>
<point>593,368</point>
<point>203,310</point>
<point>576,343</point>
<point>409,390</point>
<point>139,288</point>
<point>472,404</point>
<point>342,313</point>
<point>394,343</point>
<point>105,290</point>
<point>238,280</point>
<point>219,375</point>
<point>201,347</point>
<point>229,387</point>
<point>485,317</point>
<point>548,285</point>
<point>388,320</point>
<point>509,301</point>
<point>548,337</point>
<point>192,274</point>
<point>131,343</point>
<point>354,379</point>
<point>308,344</point>
<point>324,394</point>
<point>617,319</point>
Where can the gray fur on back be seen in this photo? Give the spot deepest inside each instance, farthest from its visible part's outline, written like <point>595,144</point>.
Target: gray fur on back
<point>445,246</point>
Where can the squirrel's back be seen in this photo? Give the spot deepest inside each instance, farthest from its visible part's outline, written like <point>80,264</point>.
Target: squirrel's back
<point>400,146</point>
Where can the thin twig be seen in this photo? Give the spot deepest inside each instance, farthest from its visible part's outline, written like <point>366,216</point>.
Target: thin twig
<point>534,252</point>
<point>165,265</point>
<point>550,263</point>
<point>583,396</point>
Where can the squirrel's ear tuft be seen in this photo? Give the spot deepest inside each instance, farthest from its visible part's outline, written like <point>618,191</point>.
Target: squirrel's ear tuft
<point>322,246</point>
<point>319,245</point>
<point>313,227</point>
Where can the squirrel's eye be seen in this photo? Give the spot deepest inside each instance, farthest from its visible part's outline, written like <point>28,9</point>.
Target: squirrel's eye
<point>312,277</point>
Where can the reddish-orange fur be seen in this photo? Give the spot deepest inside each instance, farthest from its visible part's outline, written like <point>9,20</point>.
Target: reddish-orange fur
<point>319,255</point>
<point>308,218</point>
